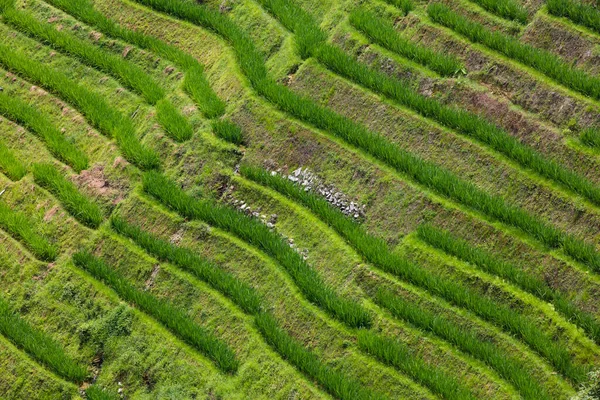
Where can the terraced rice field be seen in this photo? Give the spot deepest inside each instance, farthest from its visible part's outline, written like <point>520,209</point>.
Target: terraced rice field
<point>299,199</point>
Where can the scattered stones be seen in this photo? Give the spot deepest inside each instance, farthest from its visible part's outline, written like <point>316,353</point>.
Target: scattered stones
<point>95,36</point>
<point>338,199</point>
<point>126,51</point>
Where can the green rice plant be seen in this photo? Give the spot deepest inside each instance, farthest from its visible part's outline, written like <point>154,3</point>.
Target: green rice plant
<point>22,228</point>
<point>409,165</point>
<point>126,72</point>
<point>392,352</point>
<point>198,88</point>
<point>297,20</point>
<point>384,34</point>
<point>175,124</point>
<point>79,206</point>
<point>376,251</point>
<point>94,392</point>
<point>465,123</point>
<point>405,5</point>
<point>167,314</point>
<point>39,345</point>
<point>10,165</point>
<point>258,235</point>
<point>464,339</point>
<point>461,121</point>
<point>32,119</point>
<point>93,106</point>
<point>540,60</point>
<point>509,9</point>
<point>240,293</point>
<point>339,385</point>
<point>591,137</point>
<point>228,131</point>
<point>577,11</point>
<point>490,263</point>
<point>195,83</point>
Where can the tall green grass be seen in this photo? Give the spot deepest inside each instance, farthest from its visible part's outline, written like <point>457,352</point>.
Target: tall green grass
<point>243,295</point>
<point>22,113</point>
<point>392,352</point>
<point>79,206</point>
<point>128,73</point>
<point>405,5</point>
<point>228,131</point>
<point>376,251</point>
<point>93,106</point>
<point>466,340</point>
<point>489,263</point>
<point>425,173</point>
<point>464,122</point>
<point>383,33</point>
<point>10,165</point>
<point>167,314</point>
<point>39,345</point>
<point>195,83</point>
<point>296,19</point>
<point>257,234</point>
<point>509,9</point>
<point>249,301</point>
<point>591,137</point>
<point>175,124</point>
<point>198,88</point>
<point>540,60</point>
<point>577,11</point>
<point>23,229</point>
<point>339,385</point>
<point>461,121</point>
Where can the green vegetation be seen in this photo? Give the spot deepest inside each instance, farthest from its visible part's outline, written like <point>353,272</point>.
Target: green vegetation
<point>461,121</point>
<point>410,165</point>
<point>339,385</point>
<point>195,83</point>
<point>175,124</point>
<point>240,293</point>
<point>345,330</point>
<point>591,137</point>
<point>171,317</point>
<point>511,369</point>
<point>129,74</point>
<point>95,393</point>
<point>487,262</point>
<point>79,206</point>
<point>38,345</point>
<point>376,251</point>
<point>384,34</point>
<point>10,165</point>
<point>108,120</point>
<point>394,353</point>
<point>198,88</point>
<point>249,301</point>
<point>257,234</point>
<point>578,12</point>
<point>405,5</point>
<point>228,131</point>
<point>21,227</point>
<point>32,119</point>
<point>509,9</point>
<point>540,60</point>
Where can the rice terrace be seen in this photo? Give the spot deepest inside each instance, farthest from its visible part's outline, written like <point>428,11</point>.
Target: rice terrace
<point>300,199</point>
